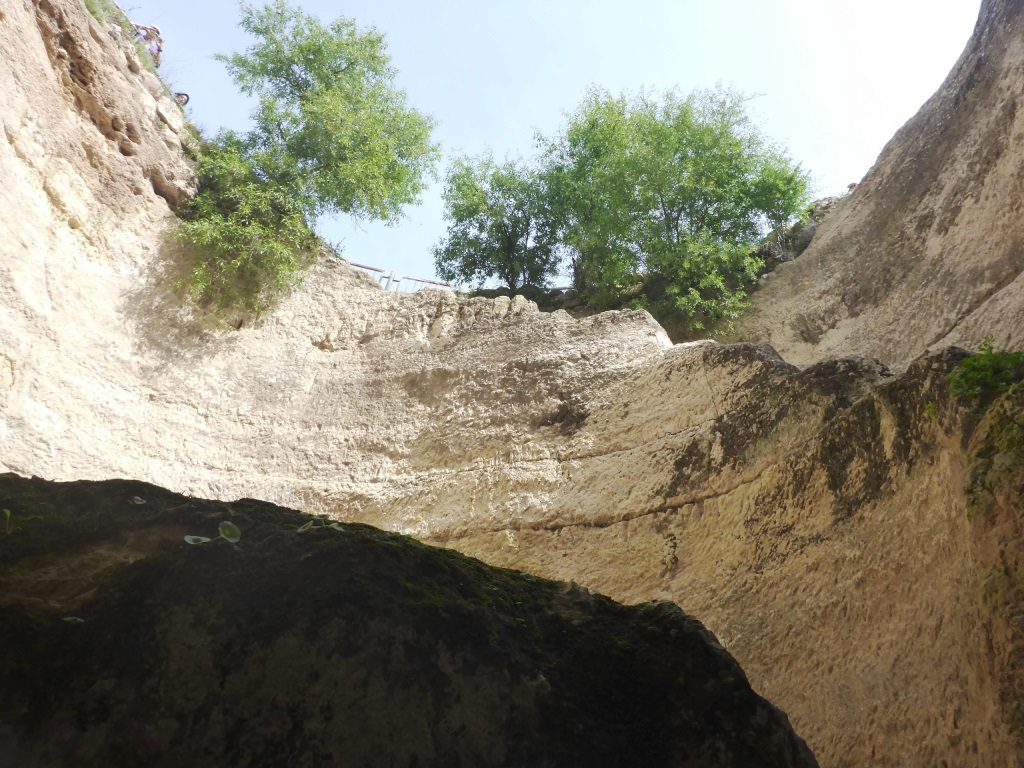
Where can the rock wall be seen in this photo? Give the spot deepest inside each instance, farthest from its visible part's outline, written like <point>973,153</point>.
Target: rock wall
<point>815,519</point>
<point>929,249</point>
<point>90,147</point>
<point>123,645</point>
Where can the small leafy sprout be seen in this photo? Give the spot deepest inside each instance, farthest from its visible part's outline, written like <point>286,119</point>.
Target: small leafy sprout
<point>229,532</point>
<point>311,524</point>
<point>138,500</point>
<point>226,530</point>
<point>7,524</point>
<point>73,620</point>
<point>932,412</point>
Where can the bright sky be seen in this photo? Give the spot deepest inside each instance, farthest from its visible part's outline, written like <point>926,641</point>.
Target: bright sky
<point>834,79</point>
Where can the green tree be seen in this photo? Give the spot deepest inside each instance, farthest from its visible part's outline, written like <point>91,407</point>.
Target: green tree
<point>669,194</point>
<point>331,134</point>
<point>987,372</point>
<point>330,123</point>
<point>498,226</point>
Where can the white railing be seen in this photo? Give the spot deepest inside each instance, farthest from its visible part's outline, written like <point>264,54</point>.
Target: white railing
<point>390,281</point>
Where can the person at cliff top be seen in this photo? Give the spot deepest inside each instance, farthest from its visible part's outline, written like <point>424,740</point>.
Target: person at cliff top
<point>150,37</point>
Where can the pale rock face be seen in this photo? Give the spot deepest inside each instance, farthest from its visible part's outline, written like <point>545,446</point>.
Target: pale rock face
<point>87,133</point>
<point>814,519</point>
<point>90,153</point>
<point>929,249</point>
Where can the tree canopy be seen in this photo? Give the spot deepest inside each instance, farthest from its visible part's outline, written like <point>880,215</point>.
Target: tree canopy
<point>672,193</point>
<point>331,134</point>
<point>499,225</point>
<point>330,121</point>
<point>656,202</point>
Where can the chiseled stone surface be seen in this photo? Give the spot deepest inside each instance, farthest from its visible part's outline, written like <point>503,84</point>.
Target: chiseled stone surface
<point>927,251</point>
<point>815,519</point>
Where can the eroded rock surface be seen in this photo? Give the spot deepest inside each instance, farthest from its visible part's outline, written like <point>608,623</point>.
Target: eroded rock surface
<point>815,519</point>
<point>822,509</point>
<point>124,645</point>
<point>90,148</point>
<point>929,249</point>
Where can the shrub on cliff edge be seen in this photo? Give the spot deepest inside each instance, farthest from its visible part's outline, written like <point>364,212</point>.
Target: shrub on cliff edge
<point>251,240</point>
<point>987,373</point>
<point>331,134</point>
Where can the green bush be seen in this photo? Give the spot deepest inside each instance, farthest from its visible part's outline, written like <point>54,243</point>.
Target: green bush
<point>987,373</point>
<point>706,282</point>
<point>331,134</point>
<point>250,238</point>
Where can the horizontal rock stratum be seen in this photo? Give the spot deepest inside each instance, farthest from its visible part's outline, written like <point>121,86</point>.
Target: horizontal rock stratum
<point>850,534</point>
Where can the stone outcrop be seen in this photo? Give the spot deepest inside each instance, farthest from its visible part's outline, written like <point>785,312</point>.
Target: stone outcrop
<point>816,520</point>
<point>124,645</point>
<point>822,509</point>
<point>787,242</point>
<point>90,146</point>
<point>929,249</point>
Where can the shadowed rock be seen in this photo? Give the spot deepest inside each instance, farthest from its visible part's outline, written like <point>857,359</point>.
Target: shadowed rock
<point>123,646</point>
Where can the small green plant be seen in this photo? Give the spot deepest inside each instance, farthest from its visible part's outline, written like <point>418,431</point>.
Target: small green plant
<point>314,524</point>
<point>226,530</point>
<point>101,10</point>
<point>7,522</point>
<point>932,412</point>
<point>987,373</point>
<point>107,11</point>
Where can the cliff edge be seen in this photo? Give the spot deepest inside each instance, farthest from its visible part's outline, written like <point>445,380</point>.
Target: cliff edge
<point>928,251</point>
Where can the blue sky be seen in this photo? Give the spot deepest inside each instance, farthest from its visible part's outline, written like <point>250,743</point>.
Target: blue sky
<point>833,79</point>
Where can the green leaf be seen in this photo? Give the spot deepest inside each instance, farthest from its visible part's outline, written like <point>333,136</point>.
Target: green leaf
<point>137,500</point>
<point>988,372</point>
<point>197,540</point>
<point>229,532</point>
<point>73,620</point>
<point>305,526</point>
<point>338,527</point>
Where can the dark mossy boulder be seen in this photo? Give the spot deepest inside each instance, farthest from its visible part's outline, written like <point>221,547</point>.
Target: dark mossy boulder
<point>123,645</point>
